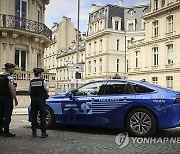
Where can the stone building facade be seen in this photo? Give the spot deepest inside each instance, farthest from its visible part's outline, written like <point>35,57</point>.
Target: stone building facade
<point>156,58</point>
<point>63,34</point>
<point>63,51</point>
<point>23,38</point>
<point>104,50</point>
<point>111,29</point>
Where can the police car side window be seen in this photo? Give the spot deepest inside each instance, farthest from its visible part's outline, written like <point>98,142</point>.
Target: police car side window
<point>141,89</point>
<point>92,89</point>
<point>114,88</point>
<point>129,89</point>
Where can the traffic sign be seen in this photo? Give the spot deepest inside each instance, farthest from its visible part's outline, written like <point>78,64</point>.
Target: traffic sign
<point>75,67</point>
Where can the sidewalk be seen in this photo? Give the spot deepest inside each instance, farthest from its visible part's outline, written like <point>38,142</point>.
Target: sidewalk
<point>20,111</point>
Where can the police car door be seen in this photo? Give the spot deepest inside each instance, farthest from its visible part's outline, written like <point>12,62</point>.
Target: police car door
<point>112,104</point>
<point>84,97</point>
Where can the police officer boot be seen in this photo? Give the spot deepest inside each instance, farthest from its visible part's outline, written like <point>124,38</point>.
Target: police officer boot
<point>8,134</point>
<point>34,133</point>
<point>44,135</point>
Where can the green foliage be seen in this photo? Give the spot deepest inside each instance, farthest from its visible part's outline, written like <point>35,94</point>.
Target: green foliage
<point>18,68</point>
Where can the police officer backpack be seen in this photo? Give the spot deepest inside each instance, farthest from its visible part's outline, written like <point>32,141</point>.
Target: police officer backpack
<point>37,89</point>
<point>4,81</point>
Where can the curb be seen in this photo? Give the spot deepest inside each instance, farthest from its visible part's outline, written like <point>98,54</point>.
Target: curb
<point>20,111</point>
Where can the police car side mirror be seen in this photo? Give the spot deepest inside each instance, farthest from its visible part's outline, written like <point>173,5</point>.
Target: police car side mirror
<point>71,96</point>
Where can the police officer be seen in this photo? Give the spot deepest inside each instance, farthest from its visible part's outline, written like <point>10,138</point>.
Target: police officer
<point>39,93</point>
<point>7,94</point>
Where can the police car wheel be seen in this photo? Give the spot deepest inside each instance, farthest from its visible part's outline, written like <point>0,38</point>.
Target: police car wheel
<point>49,118</point>
<point>141,122</point>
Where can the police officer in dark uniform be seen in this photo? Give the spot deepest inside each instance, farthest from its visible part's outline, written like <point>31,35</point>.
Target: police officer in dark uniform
<point>38,90</point>
<point>7,94</point>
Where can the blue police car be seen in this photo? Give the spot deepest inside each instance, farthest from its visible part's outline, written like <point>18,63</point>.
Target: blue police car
<point>137,106</point>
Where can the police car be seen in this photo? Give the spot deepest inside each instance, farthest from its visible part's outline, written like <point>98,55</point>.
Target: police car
<point>137,106</point>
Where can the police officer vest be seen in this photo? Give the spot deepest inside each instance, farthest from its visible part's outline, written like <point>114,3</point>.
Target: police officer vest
<point>37,88</point>
<point>4,81</point>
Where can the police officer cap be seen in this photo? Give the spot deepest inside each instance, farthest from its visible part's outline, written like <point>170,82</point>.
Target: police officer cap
<point>9,65</point>
<point>38,70</point>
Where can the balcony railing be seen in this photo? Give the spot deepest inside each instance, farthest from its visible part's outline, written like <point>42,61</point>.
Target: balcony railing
<point>27,76</point>
<point>10,21</point>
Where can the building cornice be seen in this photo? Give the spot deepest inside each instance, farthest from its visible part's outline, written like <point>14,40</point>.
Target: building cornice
<point>143,43</point>
<point>154,71</point>
<point>162,10</point>
<point>104,32</point>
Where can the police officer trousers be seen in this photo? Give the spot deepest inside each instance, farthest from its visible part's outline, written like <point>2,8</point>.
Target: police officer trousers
<point>6,108</point>
<point>38,105</point>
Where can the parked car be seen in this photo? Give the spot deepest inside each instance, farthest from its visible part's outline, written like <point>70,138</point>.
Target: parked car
<point>137,106</point>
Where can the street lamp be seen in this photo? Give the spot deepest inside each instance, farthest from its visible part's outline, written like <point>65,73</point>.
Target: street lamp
<point>78,31</point>
<point>77,74</point>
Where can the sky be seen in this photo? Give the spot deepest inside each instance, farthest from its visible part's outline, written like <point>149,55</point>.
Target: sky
<point>59,8</point>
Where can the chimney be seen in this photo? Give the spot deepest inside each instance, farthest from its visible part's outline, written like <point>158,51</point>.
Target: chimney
<point>94,7</point>
<point>121,3</point>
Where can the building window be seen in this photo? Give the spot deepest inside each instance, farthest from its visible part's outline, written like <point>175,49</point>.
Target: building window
<point>95,46</point>
<point>101,25</point>
<point>155,80</point>
<point>155,28</point>
<point>91,30</point>
<point>116,25</point>
<point>170,24</point>
<point>127,66</point>
<point>100,65</point>
<point>163,3</point>
<point>60,75</point>
<point>137,59</point>
<point>156,4</point>
<point>96,27</point>
<point>53,61</point>
<point>143,24</point>
<point>131,12</point>
<point>89,66</point>
<point>155,56</point>
<point>171,2</point>
<point>49,62</point>
<point>95,66</point>
<point>89,47</point>
<point>60,64</point>
<point>169,81</point>
<point>20,59</point>
<point>38,60</point>
<point>170,54</point>
<point>39,15</point>
<point>64,74</point>
<point>72,59</point>
<point>101,45</point>
<point>21,9</point>
<point>82,57</point>
<point>117,64</point>
<point>117,44</point>
<point>130,26</point>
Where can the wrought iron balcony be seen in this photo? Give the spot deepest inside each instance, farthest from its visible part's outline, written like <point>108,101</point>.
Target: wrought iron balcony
<point>10,21</point>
